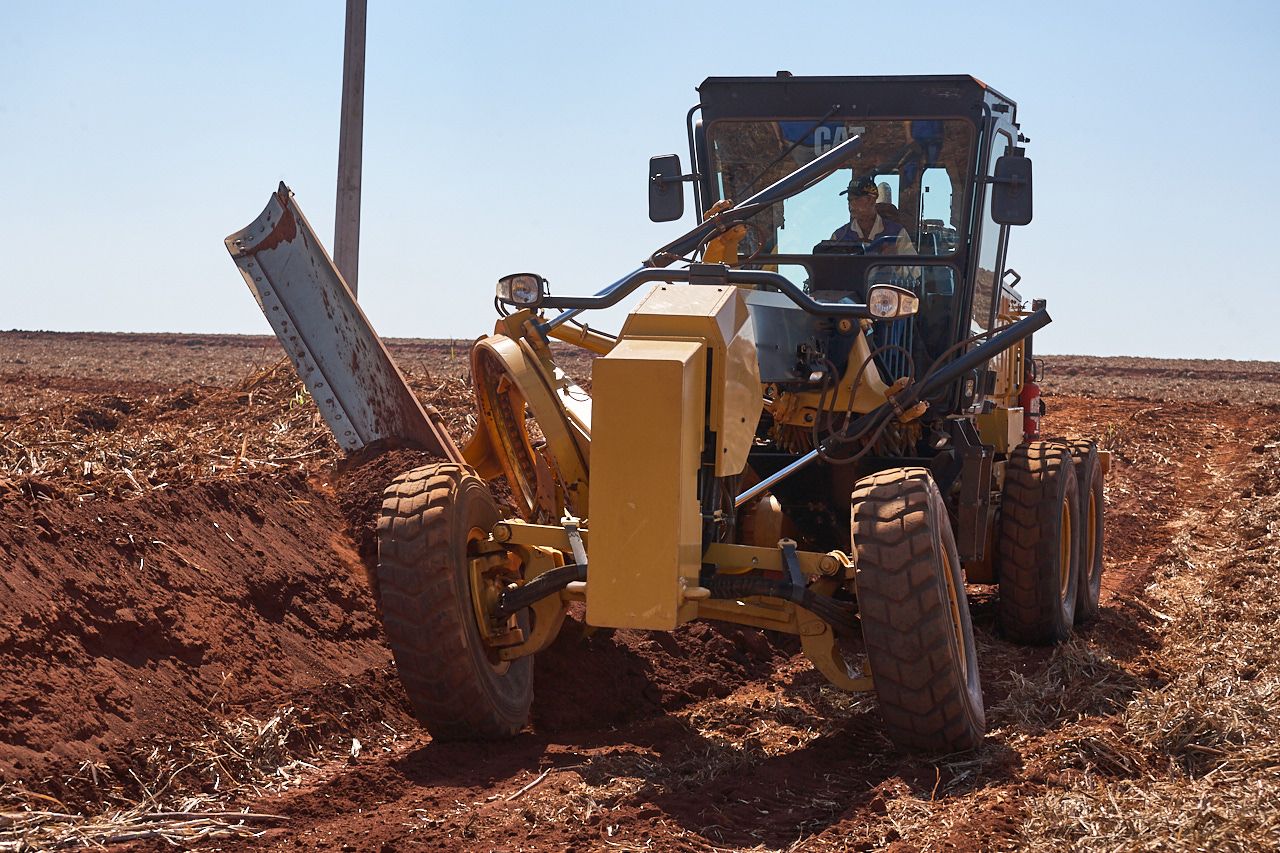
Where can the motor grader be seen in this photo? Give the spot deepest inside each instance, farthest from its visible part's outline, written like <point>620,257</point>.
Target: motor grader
<point>820,418</point>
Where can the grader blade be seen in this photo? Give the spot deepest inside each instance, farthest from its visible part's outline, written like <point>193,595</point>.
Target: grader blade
<point>361,394</point>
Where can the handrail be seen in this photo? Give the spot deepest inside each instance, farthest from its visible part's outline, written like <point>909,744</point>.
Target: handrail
<point>716,274</point>
<point>785,187</point>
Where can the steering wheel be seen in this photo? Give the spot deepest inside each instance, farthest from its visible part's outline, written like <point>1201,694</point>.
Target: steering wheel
<point>882,240</point>
<point>853,247</point>
<point>840,247</point>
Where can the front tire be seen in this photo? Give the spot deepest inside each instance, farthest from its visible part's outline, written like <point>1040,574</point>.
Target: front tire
<point>914,613</point>
<point>433,518</point>
<point>1038,553</point>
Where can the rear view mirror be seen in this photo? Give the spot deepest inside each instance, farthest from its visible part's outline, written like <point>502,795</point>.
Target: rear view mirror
<point>666,190</point>
<point>1011,190</point>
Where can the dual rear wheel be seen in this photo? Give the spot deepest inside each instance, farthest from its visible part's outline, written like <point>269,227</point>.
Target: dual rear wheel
<point>1049,553</point>
<point>1089,480</point>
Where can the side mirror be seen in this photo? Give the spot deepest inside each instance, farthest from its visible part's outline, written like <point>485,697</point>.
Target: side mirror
<point>1011,190</point>
<point>666,190</point>
<point>522,290</point>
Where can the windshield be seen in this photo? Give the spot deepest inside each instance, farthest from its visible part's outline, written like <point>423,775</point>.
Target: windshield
<point>902,194</point>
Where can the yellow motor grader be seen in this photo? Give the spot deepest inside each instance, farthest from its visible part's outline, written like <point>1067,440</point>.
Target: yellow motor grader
<point>821,417</point>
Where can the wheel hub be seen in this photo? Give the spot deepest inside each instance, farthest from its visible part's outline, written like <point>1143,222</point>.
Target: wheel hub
<point>489,572</point>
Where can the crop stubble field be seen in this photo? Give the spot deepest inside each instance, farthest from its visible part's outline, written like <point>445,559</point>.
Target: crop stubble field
<point>187,632</point>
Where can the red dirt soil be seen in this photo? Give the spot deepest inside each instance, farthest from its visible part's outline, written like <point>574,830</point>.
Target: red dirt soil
<point>132,621</point>
<point>121,620</point>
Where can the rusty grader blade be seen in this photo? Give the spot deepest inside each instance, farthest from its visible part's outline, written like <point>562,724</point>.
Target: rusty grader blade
<point>344,364</point>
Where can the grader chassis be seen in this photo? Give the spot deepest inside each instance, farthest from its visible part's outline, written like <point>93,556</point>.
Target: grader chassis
<point>771,376</point>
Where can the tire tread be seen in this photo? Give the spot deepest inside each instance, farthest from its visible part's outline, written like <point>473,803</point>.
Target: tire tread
<point>425,617</point>
<point>924,699</point>
<point>1031,611</point>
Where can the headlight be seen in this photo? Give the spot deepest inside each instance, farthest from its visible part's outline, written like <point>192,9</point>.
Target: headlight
<point>886,301</point>
<point>523,289</point>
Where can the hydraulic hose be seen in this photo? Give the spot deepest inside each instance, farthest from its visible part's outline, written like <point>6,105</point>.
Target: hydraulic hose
<point>933,381</point>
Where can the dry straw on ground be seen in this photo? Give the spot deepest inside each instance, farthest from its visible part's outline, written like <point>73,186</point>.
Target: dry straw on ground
<point>1176,748</point>
<point>1193,764</point>
<point>119,446</point>
<point>186,791</point>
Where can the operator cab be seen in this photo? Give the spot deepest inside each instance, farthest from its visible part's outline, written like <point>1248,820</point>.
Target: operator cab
<point>909,209</point>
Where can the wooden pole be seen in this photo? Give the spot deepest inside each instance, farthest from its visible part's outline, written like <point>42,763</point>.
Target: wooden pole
<point>346,236</point>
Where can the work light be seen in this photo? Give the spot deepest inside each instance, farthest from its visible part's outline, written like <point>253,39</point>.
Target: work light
<point>524,290</point>
<point>887,301</point>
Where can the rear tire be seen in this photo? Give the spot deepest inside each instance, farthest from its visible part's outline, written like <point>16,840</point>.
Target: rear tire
<point>914,613</point>
<point>431,517</point>
<point>1038,552</point>
<point>1092,522</point>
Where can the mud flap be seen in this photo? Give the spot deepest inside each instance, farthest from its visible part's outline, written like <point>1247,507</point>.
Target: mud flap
<point>360,392</point>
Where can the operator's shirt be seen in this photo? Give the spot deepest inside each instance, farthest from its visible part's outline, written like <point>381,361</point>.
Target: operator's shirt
<point>902,244</point>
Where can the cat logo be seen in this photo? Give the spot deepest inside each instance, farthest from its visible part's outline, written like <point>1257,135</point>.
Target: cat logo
<point>827,137</point>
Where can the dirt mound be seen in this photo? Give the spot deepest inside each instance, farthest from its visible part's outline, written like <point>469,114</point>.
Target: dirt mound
<point>124,619</point>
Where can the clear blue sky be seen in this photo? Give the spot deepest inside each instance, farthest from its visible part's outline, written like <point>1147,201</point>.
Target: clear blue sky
<point>503,137</point>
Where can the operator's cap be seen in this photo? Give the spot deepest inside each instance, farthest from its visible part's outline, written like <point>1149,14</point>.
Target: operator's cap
<point>861,186</point>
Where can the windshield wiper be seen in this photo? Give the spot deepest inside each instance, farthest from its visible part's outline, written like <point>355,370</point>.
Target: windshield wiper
<point>792,147</point>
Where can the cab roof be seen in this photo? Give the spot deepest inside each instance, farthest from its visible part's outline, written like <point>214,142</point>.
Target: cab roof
<point>785,95</point>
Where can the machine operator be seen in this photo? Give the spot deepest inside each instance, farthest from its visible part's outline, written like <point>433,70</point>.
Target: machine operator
<point>866,225</point>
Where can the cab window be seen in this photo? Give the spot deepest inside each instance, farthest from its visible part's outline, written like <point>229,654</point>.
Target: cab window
<point>988,267</point>
<point>917,169</point>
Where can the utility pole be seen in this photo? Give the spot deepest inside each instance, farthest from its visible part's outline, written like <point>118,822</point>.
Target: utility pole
<point>346,236</point>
